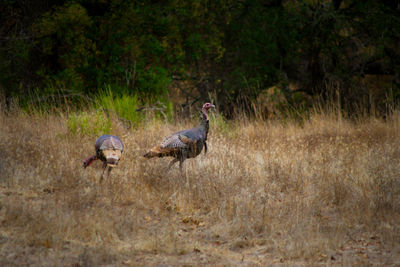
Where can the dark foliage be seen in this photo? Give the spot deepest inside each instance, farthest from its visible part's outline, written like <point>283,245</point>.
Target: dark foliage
<point>233,50</point>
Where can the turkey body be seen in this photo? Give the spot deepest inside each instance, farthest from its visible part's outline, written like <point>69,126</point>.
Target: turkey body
<point>184,144</point>
<point>109,150</point>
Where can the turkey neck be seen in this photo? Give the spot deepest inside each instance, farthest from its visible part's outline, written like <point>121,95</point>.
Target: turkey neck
<point>204,125</point>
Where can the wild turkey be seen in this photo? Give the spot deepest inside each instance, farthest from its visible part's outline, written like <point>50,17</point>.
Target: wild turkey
<point>184,144</point>
<point>109,149</point>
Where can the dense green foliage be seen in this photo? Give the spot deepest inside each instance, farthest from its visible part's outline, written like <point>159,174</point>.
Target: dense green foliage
<point>232,50</point>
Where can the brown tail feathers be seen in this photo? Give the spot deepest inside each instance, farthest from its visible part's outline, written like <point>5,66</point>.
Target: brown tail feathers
<point>158,151</point>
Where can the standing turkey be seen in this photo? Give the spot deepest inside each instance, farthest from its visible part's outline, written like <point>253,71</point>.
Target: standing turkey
<point>184,144</point>
<point>109,149</point>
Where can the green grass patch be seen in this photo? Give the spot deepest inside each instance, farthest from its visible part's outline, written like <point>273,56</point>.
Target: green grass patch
<point>89,123</point>
<point>132,108</point>
<point>123,105</point>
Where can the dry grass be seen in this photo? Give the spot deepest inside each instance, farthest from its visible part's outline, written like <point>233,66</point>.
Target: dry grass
<point>326,192</point>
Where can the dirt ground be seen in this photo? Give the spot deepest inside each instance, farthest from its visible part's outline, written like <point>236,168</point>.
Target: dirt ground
<point>359,250</point>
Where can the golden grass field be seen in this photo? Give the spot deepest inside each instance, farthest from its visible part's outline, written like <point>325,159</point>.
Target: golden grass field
<point>324,192</point>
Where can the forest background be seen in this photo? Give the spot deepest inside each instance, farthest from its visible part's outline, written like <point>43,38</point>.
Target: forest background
<point>260,57</point>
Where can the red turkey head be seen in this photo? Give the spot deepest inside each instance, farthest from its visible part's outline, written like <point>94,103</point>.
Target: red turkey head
<point>205,109</point>
<point>207,106</point>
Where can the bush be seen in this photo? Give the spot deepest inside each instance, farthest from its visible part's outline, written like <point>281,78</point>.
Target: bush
<point>123,105</point>
<point>131,108</point>
<point>85,123</point>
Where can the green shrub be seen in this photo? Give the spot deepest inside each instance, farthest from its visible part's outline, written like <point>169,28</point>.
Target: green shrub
<point>130,108</point>
<point>123,105</point>
<point>89,123</point>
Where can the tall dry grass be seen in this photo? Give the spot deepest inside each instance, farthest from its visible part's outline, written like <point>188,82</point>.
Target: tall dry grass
<point>324,192</point>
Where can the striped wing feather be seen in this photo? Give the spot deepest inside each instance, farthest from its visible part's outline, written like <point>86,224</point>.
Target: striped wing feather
<point>173,141</point>
<point>186,140</point>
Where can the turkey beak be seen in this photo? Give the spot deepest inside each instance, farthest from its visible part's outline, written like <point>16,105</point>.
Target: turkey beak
<point>212,106</point>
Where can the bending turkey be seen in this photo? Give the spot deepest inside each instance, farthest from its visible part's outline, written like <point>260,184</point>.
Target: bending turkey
<point>184,144</point>
<point>109,149</point>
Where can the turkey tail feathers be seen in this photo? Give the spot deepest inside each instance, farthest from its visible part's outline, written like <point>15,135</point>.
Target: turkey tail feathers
<point>158,151</point>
